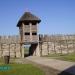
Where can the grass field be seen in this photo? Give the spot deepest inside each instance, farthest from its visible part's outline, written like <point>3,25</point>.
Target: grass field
<point>66,57</point>
<point>21,69</point>
<point>1,60</point>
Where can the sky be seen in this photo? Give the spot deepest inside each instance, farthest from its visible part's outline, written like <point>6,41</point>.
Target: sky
<point>57,16</point>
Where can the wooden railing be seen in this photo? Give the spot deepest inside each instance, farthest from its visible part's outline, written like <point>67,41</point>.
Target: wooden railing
<point>27,28</point>
<point>34,28</point>
<point>34,38</point>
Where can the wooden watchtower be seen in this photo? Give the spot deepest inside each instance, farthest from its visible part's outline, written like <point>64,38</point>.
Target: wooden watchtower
<point>28,32</point>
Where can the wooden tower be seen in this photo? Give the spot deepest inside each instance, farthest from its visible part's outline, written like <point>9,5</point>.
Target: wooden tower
<point>28,32</point>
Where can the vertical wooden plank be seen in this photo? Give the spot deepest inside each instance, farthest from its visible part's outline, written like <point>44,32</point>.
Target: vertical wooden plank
<point>1,51</point>
<point>67,43</point>
<point>15,50</point>
<point>73,45</point>
<point>54,41</point>
<point>9,49</point>
<point>48,47</point>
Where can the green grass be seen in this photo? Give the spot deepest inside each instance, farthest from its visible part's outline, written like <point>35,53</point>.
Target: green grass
<point>1,60</point>
<point>26,50</point>
<point>21,69</point>
<point>66,57</point>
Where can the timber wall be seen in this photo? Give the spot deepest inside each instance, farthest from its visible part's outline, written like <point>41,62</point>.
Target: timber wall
<point>10,45</point>
<point>49,44</point>
<point>63,44</point>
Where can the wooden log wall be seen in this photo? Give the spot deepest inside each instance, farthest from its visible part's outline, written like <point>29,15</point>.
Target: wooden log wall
<point>63,44</point>
<point>10,45</point>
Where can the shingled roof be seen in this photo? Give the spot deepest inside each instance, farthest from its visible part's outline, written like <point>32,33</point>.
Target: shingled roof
<point>27,16</point>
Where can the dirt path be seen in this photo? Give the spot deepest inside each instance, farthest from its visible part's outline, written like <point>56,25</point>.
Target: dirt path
<point>56,67</point>
<point>50,66</point>
<point>47,70</point>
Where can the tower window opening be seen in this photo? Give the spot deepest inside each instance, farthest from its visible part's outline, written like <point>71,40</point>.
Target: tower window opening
<point>27,23</point>
<point>34,23</point>
<point>27,33</point>
<point>34,33</point>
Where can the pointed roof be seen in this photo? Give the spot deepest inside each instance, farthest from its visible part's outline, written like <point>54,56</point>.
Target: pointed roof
<point>27,16</point>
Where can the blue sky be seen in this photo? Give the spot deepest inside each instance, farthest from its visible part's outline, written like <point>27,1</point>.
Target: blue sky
<point>58,16</point>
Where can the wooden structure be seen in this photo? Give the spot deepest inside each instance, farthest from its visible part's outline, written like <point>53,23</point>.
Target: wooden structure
<point>49,44</point>
<point>28,32</point>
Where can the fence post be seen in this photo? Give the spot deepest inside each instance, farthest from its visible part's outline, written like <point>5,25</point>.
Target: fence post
<point>48,47</point>
<point>67,44</point>
<point>1,50</point>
